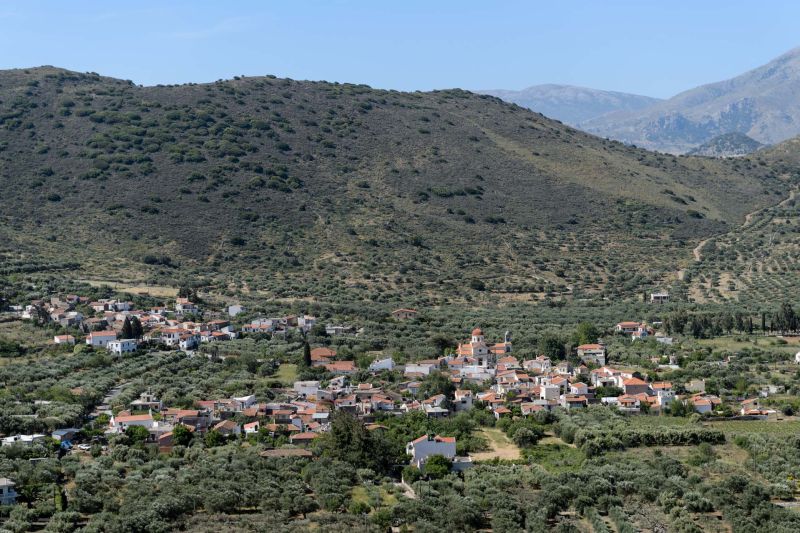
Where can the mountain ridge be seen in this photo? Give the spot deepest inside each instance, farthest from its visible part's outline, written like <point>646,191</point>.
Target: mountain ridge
<point>572,104</point>
<point>253,183</point>
<point>762,103</point>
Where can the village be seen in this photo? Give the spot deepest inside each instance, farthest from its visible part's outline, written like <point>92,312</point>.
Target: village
<point>479,373</point>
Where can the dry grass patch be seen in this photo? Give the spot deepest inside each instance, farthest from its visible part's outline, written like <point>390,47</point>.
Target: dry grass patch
<point>501,446</point>
<point>159,291</point>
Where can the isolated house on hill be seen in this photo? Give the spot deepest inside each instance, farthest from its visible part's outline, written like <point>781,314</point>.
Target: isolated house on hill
<point>404,314</point>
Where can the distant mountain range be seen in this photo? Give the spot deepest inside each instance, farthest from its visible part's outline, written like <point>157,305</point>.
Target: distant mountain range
<point>763,104</point>
<point>573,105</point>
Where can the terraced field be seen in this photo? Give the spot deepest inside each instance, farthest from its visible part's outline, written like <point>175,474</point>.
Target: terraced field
<point>758,263</point>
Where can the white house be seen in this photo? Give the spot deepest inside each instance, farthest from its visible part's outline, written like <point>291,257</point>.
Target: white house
<point>627,327</point>
<point>64,339</point>
<point>183,306</point>
<point>428,445</point>
<point>122,306</point>
<point>27,440</point>
<point>419,368</point>
<point>702,405</point>
<point>245,402</point>
<point>234,310</point>
<point>333,329</point>
<point>382,364</point>
<point>119,423</point>
<point>306,322</point>
<point>7,494</point>
<point>664,397</point>
<point>252,428</point>
<point>463,400</point>
<point>101,338</point>
<point>122,346</point>
<point>659,297</point>
<point>592,353</point>
<point>797,357</point>
<point>306,388</point>
<point>189,341</point>
<point>549,392</point>
<point>541,364</point>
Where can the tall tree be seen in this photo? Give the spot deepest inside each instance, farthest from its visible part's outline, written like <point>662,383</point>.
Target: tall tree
<point>552,346</point>
<point>306,354</point>
<point>349,441</point>
<point>127,329</point>
<point>586,333</point>
<point>136,327</point>
<point>181,435</point>
<point>437,383</point>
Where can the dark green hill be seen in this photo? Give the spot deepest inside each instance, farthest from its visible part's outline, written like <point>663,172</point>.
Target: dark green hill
<point>727,145</point>
<point>326,190</point>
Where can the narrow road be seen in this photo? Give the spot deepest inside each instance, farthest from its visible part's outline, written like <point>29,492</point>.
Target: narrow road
<point>748,219</point>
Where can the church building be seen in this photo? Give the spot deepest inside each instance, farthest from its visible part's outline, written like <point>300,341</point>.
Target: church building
<point>481,352</point>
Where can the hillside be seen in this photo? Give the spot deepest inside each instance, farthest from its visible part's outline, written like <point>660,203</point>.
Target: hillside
<point>756,263</point>
<point>762,103</point>
<point>727,145</point>
<point>320,190</point>
<point>573,105</point>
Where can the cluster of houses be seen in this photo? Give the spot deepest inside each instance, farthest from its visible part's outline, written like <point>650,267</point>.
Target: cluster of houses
<point>280,326</point>
<point>483,373</point>
<point>299,420</point>
<point>176,327</point>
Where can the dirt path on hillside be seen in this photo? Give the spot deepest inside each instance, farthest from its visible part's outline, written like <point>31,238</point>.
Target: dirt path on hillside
<point>697,251</point>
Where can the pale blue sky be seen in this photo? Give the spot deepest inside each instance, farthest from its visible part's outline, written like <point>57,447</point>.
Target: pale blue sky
<point>653,47</point>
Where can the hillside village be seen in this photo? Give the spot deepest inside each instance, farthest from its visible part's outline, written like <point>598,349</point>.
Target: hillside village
<point>478,373</point>
<point>291,267</point>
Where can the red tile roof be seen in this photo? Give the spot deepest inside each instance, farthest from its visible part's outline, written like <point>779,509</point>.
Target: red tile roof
<point>634,381</point>
<point>436,438</point>
<point>590,347</point>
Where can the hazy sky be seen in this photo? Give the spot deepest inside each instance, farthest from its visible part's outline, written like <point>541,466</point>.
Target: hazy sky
<point>653,47</point>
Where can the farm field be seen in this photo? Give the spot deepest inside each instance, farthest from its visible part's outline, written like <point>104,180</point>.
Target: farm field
<point>556,458</point>
<point>158,291</point>
<point>740,343</point>
<point>744,427</point>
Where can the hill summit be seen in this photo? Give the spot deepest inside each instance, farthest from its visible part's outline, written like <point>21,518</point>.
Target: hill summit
<point>306,189</point>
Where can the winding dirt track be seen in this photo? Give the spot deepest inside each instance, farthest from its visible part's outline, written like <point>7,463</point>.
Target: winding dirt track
<point>748,219</point>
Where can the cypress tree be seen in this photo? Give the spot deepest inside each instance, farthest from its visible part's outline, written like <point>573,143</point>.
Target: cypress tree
<point>127,329</point>
<point>136,327</point>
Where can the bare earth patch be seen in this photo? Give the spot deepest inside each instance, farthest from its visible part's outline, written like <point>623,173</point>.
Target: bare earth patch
<point>501,446</point>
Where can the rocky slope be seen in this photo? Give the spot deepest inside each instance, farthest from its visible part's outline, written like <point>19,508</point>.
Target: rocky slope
<point>763,104</point>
